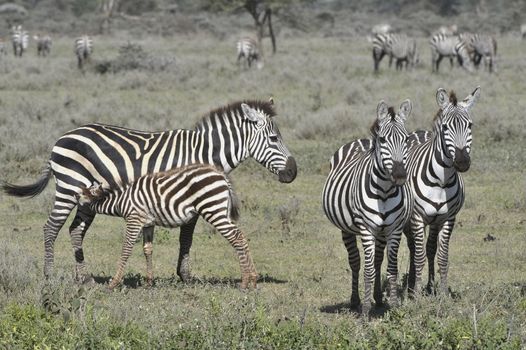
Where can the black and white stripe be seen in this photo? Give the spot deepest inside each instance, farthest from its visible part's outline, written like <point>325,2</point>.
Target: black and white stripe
<point>170,199</point>
<point>398,46</point>
<point>83,49</point>
<point>20,40</point>
<point>112,155</point>
<point>434,165</point>
<point>248,49</point>
<point>365,196</point>
<point>44,43</point>
<point>453,48</point>
<point>484,47</point>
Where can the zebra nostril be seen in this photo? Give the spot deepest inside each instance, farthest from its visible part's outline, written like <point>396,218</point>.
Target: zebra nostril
<point>288,174</point>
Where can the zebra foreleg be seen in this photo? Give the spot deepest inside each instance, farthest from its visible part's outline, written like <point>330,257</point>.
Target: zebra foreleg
<point>134,225</point>
<point>415,242</point>
<point>443,253</point>
<point>431,248</point>
<point>185,243</point>
<point>393,243</point>
<point>369,270</point>
<point>147,238</point>
<point>349,240</point>
<point>81,223</point>
<point>378,259</point>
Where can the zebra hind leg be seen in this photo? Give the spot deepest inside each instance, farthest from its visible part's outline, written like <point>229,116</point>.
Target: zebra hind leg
<point>349,240</point>
<point>147,236</point>
<point>81,223</point>
<point>185,243</point>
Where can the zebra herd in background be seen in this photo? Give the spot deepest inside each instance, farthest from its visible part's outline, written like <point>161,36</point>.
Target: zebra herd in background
<point>83,47</point>
<point>466,48</point>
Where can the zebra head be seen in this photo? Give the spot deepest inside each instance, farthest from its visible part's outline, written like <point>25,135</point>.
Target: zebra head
<point>266,144</point>
<point>90,194</point>
<point>389,137</point>
<point>453,124</point>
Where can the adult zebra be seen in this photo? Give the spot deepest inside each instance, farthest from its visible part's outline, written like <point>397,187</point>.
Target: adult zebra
<point>249,49</point>
<point>19,39</point>
<point>452,47</point>
<point>435,162</point>
<point>3,48</point>
<point>364,195</point>
<point>83,49</point>
<point>111,155</point>
<point>484,46</point>
<point>170,199</point>
<point>44,43</point>
<point>397,46</point>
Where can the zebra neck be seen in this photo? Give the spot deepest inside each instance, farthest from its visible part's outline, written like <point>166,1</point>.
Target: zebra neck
<point>377,180</point>
<point>111,204</point>
<point>225,149</point>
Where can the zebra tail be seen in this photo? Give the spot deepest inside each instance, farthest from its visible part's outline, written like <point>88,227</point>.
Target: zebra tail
<point>31,190</point>
<point>233,209</point>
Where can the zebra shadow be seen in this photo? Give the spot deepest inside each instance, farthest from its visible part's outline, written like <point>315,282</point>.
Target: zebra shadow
<point>138,281</point>
<point>346,308</point>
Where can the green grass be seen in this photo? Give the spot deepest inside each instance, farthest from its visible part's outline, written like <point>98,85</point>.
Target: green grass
<point>326,95</point>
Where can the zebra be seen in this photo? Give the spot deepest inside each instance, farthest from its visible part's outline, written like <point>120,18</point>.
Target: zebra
<point>19,39</point>
<point>110,155</point>
<point>365,195</point>
<point>83,49</point>
<point>3,47</point>
<point>249,49</point>
<point>43,44</point>
<point>398,46</point>
<point>484,46</point>
<point>450,30</point>
<point>170,199</point>
<point>383,28</point>
<point>452,47</point>
<point>434,164</point>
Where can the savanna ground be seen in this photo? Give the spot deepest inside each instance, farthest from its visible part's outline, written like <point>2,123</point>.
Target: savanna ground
<point>326,95</point>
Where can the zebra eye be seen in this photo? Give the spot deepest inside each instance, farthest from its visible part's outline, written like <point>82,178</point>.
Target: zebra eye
<point>273,138</point>
<point>381,139</point>
<point>470,125</point>
<point>444,127</point>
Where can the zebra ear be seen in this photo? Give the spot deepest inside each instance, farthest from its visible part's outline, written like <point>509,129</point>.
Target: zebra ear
<point>251,114</point>
<point>382,110</point>
<point>469,101</point>
<point>405,109</point>
<point>442,98</point>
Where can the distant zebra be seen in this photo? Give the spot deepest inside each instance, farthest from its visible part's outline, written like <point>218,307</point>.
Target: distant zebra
<point>435,162</point>
<point>171,199</point>
<point>397,46</point>
<point>112,155</point>
<point>365,195</point>
<point>450,30</point>
<point>43,44</point>
<point>3,47</point>
<point>452,47</point>
<point>19,39</point>
<point>484,46</point>
<point>249,50</point>
<point>83,49</point>
<point>383,28</point>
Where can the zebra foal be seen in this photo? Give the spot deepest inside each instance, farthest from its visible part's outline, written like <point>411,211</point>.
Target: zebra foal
<point>434,164</point>
<point>171,199</point>
<point>365,195</point>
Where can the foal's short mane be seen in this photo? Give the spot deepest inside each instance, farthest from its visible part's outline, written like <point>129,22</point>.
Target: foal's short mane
<point>376,125</point>
<point>264,106</point>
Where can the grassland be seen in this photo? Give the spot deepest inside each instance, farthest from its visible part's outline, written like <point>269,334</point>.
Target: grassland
<point>326,95</point>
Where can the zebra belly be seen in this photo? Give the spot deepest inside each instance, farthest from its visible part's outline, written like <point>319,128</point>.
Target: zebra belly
<point>173,220</point>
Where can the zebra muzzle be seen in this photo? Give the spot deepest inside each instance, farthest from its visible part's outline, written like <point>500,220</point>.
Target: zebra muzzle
<point>399,174</point>
<point>462,160</point>
<point>288,174</point>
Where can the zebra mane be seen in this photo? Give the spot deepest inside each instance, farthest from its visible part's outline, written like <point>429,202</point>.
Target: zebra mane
<point>263,106</point>
<point>376,125</point>
<point>452,99</point>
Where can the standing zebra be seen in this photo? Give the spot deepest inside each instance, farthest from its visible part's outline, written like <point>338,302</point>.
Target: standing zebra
<point>249,50</point>
<point>112,155</point>
<point>83,49</point>
<point>398,46</point>
<point>170,199</point>
<point>3,48</point>
<point>435,162</point>
<point>365,196</point>
<point>452,47</point>
<point>20,39</point>
<point>484,46</point>
<point>43,44</point>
